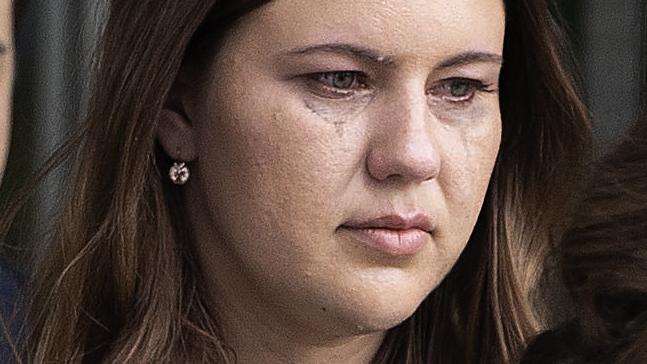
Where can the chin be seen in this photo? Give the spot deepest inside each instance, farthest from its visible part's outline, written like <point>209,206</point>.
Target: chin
<point>370,313</point>
<point>376,320</point>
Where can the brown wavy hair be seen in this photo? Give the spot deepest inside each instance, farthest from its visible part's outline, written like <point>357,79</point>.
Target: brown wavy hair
<point>118,281</point>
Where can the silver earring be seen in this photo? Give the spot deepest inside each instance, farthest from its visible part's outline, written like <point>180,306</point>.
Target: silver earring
<point>179,173</point>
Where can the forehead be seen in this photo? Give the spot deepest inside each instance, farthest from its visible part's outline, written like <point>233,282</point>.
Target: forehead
<point>405,28</point>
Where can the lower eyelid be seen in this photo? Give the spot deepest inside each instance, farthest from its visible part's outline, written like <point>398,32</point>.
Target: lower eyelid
<point>323,91</point>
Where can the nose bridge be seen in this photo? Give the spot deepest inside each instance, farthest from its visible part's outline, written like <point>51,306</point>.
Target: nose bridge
<point>404,112</point>
<point>404,145</point>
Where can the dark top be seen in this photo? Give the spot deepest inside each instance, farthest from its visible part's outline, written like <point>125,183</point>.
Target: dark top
<point>566,345</point>
<point>558,346</point>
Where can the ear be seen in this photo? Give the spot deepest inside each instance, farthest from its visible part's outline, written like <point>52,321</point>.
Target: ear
<point>175,131</point>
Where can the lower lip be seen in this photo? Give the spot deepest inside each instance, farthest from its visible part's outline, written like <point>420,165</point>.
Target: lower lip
<point>398,242</point>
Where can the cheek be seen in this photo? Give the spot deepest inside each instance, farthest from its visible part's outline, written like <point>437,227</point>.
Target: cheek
<point>277,164</point>
<point>470,154</point>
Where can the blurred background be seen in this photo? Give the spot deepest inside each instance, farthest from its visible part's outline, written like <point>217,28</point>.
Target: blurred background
<point>54,45</point>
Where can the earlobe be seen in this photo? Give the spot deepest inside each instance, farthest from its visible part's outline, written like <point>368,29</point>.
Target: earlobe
<point>176,136</point>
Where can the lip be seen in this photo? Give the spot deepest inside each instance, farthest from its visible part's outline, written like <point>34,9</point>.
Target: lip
<point>392,234</point>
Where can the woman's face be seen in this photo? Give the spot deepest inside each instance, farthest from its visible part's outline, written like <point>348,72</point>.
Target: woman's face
<point>342,154</point>
<point>6,77</point>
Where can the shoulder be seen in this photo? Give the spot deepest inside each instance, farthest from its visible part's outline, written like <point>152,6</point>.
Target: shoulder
<point>10,285</point>
<point>10,280</point>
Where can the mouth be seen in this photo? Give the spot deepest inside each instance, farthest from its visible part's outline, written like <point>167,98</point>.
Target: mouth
<point>394,234</point>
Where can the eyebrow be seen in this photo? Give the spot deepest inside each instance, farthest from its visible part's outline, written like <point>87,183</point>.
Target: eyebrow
<point>466,58</point>
<point>3,49</point>
<point>360,52</point>
<point>375,56</point>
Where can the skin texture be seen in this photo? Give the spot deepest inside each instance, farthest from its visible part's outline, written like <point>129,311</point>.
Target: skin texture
<point>6,77</point>
<point>280,162</point>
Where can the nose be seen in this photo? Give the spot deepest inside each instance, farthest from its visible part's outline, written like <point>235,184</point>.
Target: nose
<point>403,146</point>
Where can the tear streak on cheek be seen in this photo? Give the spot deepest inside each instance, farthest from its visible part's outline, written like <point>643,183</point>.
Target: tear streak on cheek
<point>474,124</point>
<point>473,146</point>
<point>337,114</point>
<point>462,116</point>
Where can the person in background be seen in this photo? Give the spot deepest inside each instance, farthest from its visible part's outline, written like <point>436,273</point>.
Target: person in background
<point>603,259</point>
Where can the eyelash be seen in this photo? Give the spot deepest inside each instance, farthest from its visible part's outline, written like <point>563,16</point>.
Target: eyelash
<point>360,83</point>
<point>443,89</point>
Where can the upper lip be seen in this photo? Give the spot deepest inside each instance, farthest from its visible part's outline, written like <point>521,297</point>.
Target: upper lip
<point>394,222</point>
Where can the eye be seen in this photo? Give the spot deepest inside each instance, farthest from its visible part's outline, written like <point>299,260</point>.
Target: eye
<point>339,80</point>
<point>458,90</point>
<point>338,84</point>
